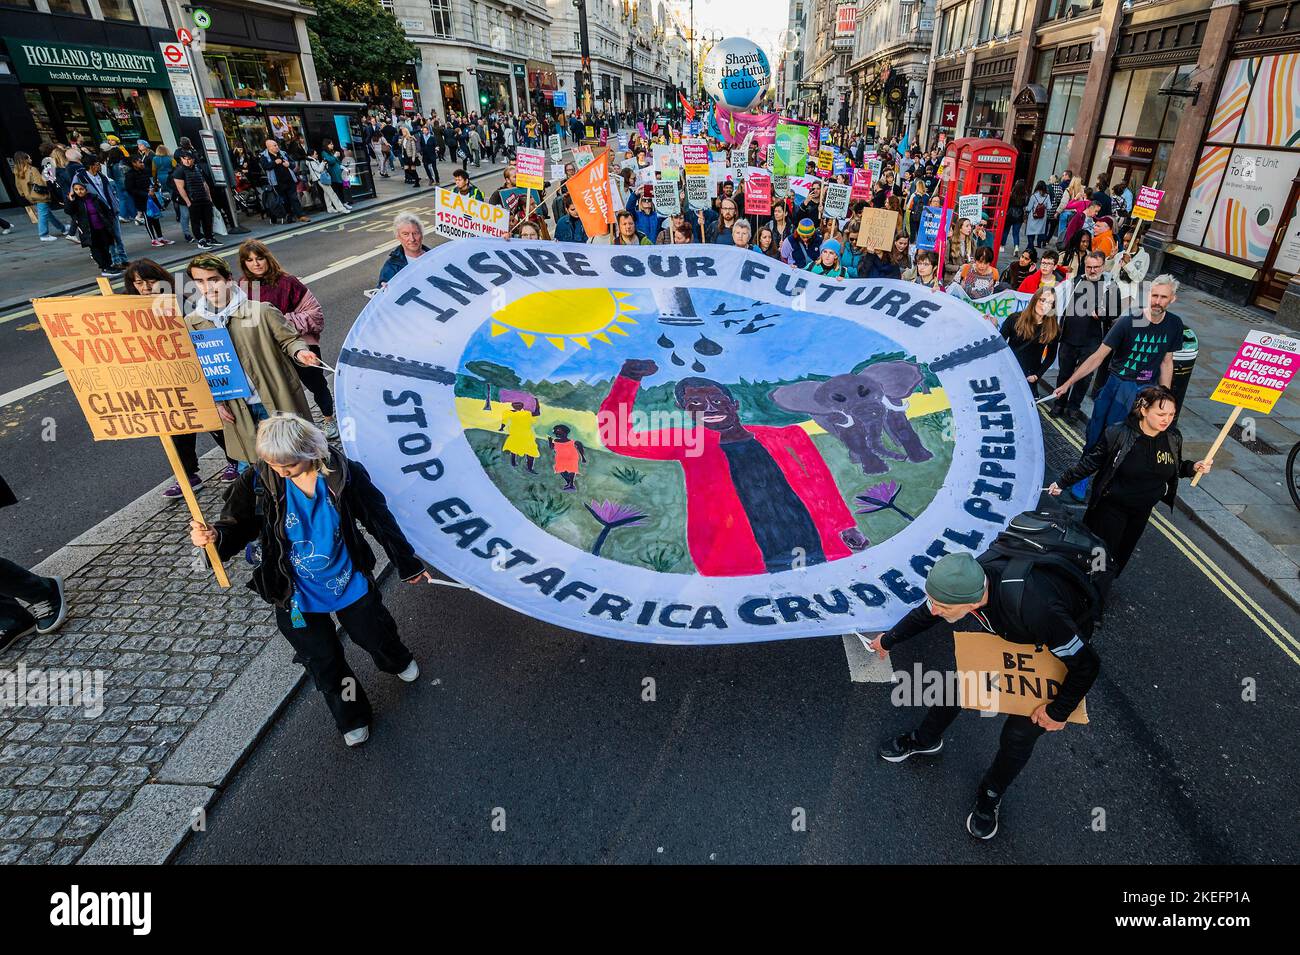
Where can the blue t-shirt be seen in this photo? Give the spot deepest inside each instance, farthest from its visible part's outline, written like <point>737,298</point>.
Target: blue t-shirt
<point>322,568</point>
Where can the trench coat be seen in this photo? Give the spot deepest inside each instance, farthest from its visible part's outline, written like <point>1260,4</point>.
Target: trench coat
<point>265,343</point>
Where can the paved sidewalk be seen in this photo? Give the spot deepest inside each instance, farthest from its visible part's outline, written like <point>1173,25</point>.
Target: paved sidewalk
<point>35,268</point>
<point>167,643</point>
<point>191,676</point>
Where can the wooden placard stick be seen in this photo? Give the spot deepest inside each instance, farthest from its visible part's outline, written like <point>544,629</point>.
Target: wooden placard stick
<point>1218,441</point>
<point>183,479</point>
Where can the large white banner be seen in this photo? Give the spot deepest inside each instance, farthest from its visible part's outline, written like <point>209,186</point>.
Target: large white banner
<point>691,444</point>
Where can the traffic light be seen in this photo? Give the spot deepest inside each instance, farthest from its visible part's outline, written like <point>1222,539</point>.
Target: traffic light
<point>483,98</point>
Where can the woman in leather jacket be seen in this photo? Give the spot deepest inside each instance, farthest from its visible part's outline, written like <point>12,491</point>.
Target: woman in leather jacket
<point>1137,464</point>
<point>306,503</point>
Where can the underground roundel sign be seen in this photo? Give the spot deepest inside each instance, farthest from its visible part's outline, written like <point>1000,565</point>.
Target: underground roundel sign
<point>694,445</point>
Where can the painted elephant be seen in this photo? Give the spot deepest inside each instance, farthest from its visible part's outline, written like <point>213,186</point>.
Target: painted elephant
<point>860,409</point>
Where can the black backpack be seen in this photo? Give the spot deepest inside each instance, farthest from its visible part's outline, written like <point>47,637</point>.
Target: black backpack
<point>1044,540</point>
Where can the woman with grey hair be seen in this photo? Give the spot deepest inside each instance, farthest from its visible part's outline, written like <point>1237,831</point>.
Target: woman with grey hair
<point>306,502</point>
<point>410,246</point>
<point>742,234</point>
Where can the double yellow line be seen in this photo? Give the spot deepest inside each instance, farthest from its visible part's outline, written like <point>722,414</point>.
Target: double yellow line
<point>1213,572</point>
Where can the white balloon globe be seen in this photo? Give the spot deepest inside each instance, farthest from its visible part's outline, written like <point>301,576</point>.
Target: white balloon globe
<point>736,73</point>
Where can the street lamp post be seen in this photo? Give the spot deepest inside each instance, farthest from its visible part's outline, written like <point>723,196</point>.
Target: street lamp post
<point>692,56</point>
<point>585,84</point>
<point>631,62</point>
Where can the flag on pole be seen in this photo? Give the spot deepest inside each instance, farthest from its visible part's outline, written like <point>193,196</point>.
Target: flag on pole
<point>687,109</point>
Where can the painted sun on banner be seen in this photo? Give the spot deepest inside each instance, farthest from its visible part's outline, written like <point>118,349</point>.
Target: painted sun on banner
<point>694,447</point>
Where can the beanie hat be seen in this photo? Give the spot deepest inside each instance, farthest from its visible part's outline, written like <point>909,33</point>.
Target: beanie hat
<point>806,228</point>
<point>831,245</point>
<point>956,579</point>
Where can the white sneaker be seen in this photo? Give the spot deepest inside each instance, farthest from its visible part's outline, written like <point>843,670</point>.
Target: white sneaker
<point>357,737</point>
<point>411,673</point>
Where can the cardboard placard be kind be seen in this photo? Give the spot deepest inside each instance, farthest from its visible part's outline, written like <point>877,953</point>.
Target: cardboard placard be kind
<point>997,676</point>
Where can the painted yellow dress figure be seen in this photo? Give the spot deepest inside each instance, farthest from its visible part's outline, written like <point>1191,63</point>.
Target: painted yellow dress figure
<point>520,440</point>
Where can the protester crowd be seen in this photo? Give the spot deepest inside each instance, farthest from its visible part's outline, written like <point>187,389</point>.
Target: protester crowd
<point>289,484</point>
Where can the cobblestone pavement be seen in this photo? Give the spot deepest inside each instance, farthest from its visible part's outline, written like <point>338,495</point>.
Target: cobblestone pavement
<point>168,642</point>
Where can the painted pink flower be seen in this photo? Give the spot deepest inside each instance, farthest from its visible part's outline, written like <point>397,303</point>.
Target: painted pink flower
<point>612,515</point>
<point>880,497</point>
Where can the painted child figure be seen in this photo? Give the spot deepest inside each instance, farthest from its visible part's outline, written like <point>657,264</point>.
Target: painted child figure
<point>567,455</point>
<point>520,440</point>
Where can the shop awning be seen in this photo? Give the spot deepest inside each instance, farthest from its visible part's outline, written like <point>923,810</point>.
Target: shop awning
<point>42,62</point>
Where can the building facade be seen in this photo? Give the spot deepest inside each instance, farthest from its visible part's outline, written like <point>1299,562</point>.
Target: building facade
<point>96,68</point>
<point>891,58</point>
<point>823,86</point>
<point>1199,98</point>
<point>476,56</point>
<point>639,53</point>
<point>789,67</point>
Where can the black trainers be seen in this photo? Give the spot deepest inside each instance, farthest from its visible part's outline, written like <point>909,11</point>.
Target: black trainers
<point>50,614</point>
<point>982,823</point>
<point>11,631</point>
<point>901,747</point>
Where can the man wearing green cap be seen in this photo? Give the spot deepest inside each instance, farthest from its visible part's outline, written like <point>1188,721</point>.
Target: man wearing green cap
<point>1053,612</point>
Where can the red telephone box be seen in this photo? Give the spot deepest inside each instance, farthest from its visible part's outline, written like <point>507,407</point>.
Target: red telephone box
<point>986,166</point>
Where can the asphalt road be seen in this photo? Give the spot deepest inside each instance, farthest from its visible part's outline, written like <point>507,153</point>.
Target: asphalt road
<point>550,727</point>
<point>69,483</point>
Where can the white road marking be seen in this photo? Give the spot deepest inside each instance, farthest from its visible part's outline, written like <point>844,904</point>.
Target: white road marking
<point>865,666</point>
<point>350,260</point>
<point>58,377</point>
<point>339,221</point>
<point>231,250</point>
<point>14,316</point>
<point>26,391</point>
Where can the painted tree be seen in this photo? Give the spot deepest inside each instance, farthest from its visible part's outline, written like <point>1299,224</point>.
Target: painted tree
<point>493,375</point>
<point>354,42</point>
